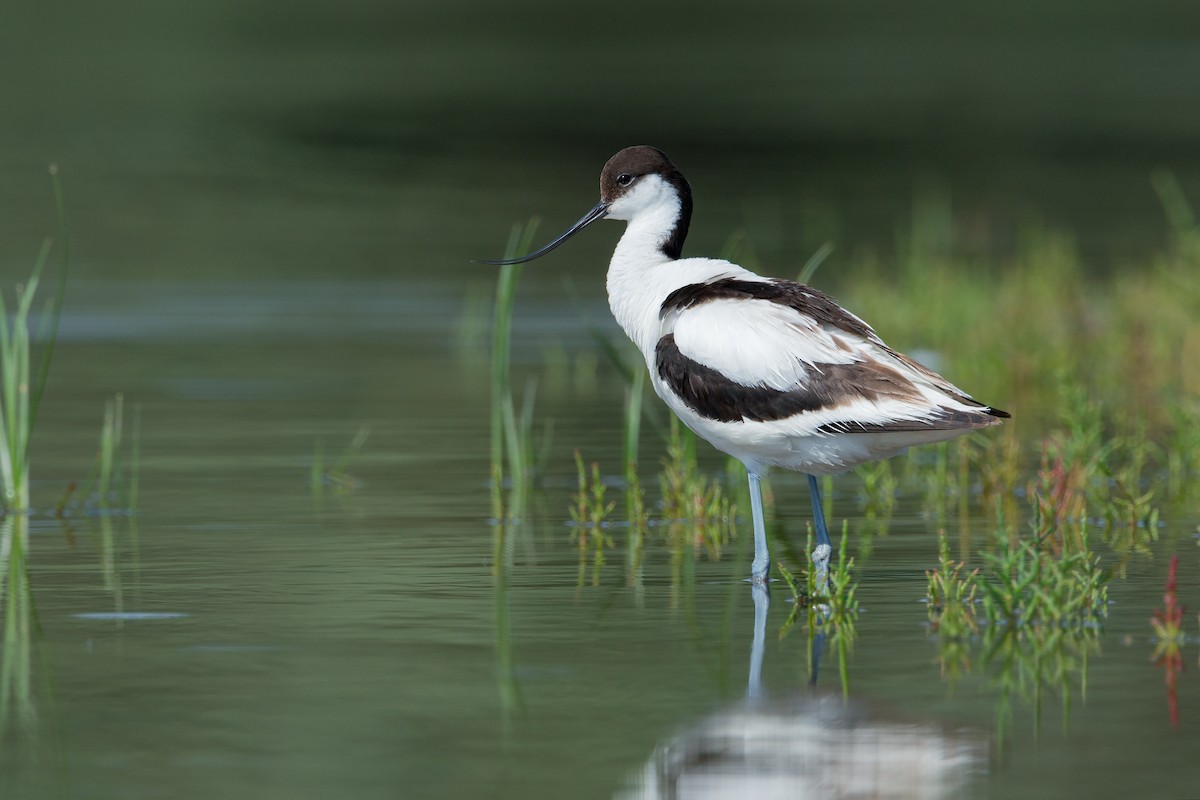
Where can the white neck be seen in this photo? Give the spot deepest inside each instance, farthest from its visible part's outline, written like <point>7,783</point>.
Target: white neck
<point>637,270</point>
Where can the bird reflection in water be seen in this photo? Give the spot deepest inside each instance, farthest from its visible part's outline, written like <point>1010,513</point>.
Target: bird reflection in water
<point>810,745</point>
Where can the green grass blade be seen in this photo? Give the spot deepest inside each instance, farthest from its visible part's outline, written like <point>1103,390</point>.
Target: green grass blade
<point>814,261</point>
<point>49,334</point>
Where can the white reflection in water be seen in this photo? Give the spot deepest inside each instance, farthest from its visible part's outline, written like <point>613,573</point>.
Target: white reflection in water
<point>817,747</point>
<point>820,746</point>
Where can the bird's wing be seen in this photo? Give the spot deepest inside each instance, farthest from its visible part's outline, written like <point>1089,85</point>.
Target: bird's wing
<point>759,349</point>
<point>760,343</point>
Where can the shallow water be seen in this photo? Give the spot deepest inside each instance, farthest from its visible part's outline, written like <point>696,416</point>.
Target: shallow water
<point>271,221</point>
<point>262,641</point>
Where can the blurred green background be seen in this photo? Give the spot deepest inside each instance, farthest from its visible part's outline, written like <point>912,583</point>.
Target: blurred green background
<point>255,139</point>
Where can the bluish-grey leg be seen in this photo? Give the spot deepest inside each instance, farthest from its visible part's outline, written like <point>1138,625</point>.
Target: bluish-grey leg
<point>824,549</point>
<point>761,566</point>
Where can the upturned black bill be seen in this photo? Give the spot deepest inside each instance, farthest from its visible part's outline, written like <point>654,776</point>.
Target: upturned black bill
<point>596,213</point>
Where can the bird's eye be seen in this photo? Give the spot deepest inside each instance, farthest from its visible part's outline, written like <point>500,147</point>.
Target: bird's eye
<point>624,179</point>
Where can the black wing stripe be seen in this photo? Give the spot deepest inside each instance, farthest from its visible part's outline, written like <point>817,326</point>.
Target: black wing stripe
<point>715,396</point>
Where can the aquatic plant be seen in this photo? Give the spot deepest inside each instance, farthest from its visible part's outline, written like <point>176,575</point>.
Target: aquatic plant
<point>1024,584</point>
<point>950,594</point>
<point>688,495</point>
<point>17,410</point>
<point>843,605</point>
<point>1182,450</point>
<point>635,495</point>
<point>838,601</point>
<point>590,510</point>
<point>511,438</point>
<point>1129,508</point>
<point>831,610</point>
<point>21,388</point>
<point>21,385</point>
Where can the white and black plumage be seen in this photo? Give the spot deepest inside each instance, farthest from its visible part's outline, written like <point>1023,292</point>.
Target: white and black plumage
<point>770,371</point>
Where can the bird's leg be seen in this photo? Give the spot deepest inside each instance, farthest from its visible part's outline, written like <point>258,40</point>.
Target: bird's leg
<point>761,566</point>
<point>824,549</point>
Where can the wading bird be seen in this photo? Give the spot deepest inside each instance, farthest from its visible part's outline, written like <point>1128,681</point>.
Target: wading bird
<point>770,371</point>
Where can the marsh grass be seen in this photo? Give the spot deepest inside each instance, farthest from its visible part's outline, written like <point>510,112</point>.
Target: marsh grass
<point>1182,455</point>
<point>951,594</point>
<point>1034,610</point>
<point>590,508</point>
<point>22,383</point>
<point>512,429</point>
<point>1024,584</point>
<point>831,615</point>
<point>19,395</point>
<point>635,495</point>
<point>691,497</point>
<point>838,601</point>
<point>1005,326</point>
<point>1033,614</point>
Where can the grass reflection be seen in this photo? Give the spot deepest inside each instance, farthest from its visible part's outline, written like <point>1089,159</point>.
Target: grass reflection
<point>506,675</point>
<point>16,686</point>
<point>1027,662</point>
<point>1169,638</point>
<point>109,497</point>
